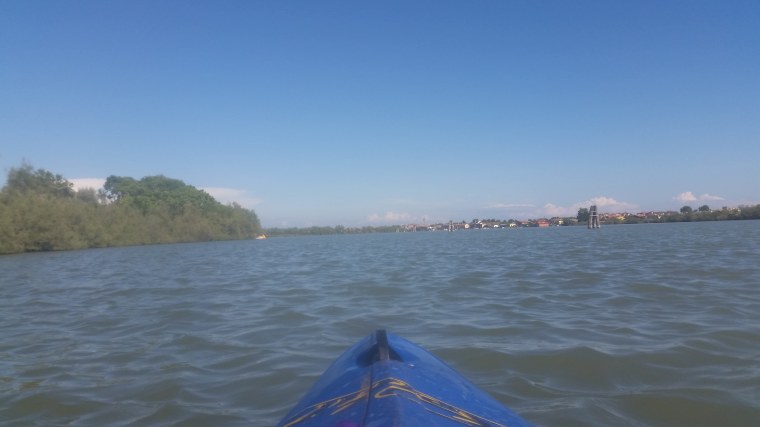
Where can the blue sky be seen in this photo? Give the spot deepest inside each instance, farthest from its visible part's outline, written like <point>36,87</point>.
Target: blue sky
<point>368,113</point>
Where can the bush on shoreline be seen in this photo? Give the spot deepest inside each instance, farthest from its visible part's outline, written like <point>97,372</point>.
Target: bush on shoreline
<point>40,211</point>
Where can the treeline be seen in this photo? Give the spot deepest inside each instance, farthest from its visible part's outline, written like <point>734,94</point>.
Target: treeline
<point>324,230</point>
<point>688,215</point>
<point>41,211</point>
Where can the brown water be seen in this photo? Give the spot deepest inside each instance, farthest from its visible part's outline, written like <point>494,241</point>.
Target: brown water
<point>642,325</point>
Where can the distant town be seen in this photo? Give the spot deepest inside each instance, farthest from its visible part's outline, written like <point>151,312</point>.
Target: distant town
<point>685,214</point>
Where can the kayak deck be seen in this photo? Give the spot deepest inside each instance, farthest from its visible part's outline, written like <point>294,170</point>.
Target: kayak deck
<point>385,380</point>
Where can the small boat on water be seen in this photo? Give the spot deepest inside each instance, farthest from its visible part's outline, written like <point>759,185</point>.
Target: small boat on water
<point>385,380</point>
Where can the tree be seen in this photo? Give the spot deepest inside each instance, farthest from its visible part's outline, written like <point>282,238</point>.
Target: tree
<point>151,190</point>
<point>582,215</point>
<point>25,180</point>
<point>118,186</point>
<point>39,211</point>
<point>704,208</point>
<point>686,210</point>
<point>87,195</point>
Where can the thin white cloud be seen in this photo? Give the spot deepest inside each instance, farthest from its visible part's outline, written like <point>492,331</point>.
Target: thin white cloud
<point>230,195</point>
<point>510,206</point>
<point>508,210</point>
<point>688,196</point>
<point>708,197</point>
<point>389,218</point>
<point>603,203</point>
<point>551,210</point>
<point>94,183</point>
<point>609,204</point>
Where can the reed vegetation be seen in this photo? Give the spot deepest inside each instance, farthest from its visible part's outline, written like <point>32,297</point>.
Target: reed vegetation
<point>41,211</point>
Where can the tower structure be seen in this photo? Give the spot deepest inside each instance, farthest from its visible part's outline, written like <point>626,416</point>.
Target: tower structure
<point>593,217</point>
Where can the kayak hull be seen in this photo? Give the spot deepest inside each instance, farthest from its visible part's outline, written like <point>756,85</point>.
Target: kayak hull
<point>385,380</point>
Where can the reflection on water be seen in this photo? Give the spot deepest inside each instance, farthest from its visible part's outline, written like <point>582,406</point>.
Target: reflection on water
<point>644,325</point>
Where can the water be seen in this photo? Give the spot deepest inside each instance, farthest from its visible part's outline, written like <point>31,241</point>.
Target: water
<point>641,325</point>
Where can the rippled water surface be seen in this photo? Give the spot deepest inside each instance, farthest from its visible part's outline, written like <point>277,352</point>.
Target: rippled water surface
<point>641,325</point>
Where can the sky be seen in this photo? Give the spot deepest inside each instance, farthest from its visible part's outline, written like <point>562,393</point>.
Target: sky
<point>391,112</point>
